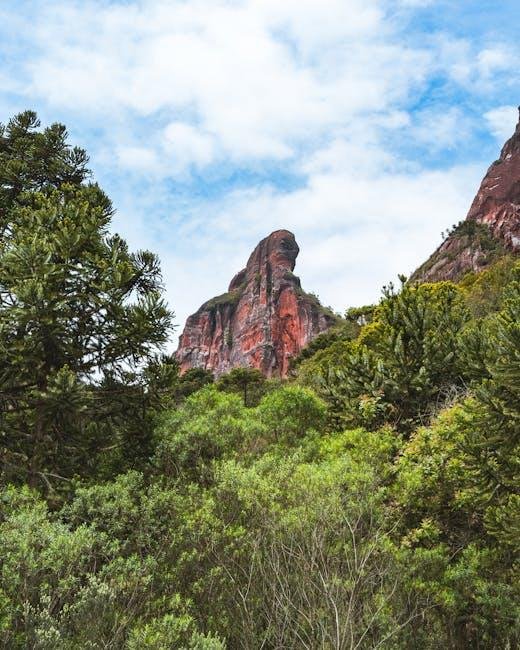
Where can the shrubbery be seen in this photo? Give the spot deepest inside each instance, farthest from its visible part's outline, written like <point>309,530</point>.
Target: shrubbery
<point>372,501</point>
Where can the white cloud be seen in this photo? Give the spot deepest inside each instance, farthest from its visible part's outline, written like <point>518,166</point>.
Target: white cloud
<point>415,4</point>
<point>258,76</point>
<point>441,129</point>
<point>314,24</point>
<point>490,60</point>
<point>501,121</point>
<point>363,156</point>
<point>316,90</point>
<point>475,68</point>
<point>188,146</point>
<point>245,81</point>
<point>138,159</point>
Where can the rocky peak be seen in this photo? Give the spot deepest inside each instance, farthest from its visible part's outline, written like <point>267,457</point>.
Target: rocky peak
<point>274,255</point>
<point>278,251</point>
<point>513,144</point>
<point>492,225</point>
<point>261,322</point>
<point>497,203</point>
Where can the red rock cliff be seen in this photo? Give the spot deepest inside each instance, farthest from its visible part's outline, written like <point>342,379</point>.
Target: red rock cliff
<point>492,225</point>
<point>261,322</point>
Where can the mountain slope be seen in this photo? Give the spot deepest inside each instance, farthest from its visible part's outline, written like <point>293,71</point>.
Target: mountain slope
<point>492,225</point>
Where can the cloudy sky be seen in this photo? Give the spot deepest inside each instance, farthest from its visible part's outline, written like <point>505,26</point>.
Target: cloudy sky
<point>364,126</point>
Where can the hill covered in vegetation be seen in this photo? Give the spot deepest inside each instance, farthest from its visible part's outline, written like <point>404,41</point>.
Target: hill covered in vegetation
<point>371,500</point>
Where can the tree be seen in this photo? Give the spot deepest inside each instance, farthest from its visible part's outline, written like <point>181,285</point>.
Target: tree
<point>98,574</point>
<point>457,546</point>
<point>210,425</point>
<point>315,566</point>
<point>491,348</point>
<point>248,382</point>
<point>191,381</point>
<point>80,315</point>
<point>404,363</point>
<point>36,161</point>
<point>290,413</point>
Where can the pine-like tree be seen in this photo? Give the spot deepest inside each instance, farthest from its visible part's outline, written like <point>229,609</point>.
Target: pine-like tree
<point>404,364</point>
<point>493,425</point>
<point>80,315</point>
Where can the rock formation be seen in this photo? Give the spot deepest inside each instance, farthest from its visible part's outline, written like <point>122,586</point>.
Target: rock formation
<point>263,320</point>
<point>492,226</point>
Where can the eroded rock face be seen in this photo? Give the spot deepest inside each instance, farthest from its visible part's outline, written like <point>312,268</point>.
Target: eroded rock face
<point>492,225</point>
<point>263,320</point>
<point>497,203</point>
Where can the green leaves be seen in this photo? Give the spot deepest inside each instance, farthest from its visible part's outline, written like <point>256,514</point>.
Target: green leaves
<point>291,414</point>
<point>75,306</point>
<point>33,160</point>
<point>253,511</point>
<point>404,362</point>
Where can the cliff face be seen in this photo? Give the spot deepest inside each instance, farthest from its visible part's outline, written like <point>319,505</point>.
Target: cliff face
<point>492,226</point>
<point>261,322</point>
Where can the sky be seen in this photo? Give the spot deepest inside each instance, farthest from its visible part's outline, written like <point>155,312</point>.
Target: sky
<point>363,126</point>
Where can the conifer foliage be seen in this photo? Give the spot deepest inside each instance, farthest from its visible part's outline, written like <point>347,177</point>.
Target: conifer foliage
<point>405,362</point>
<point>79,313</point>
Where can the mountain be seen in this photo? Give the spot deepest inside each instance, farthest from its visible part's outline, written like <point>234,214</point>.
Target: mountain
<point>263,320</point>
<point>492,225</point>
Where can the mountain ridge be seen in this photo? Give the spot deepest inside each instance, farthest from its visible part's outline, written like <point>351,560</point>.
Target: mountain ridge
<point>491,227</point>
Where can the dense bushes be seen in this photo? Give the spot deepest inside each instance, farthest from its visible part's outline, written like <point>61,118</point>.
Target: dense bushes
<point>336,540</point>
<point>404,364</point>
<point>371,502</point>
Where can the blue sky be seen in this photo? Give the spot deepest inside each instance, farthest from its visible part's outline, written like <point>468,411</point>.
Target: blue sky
<point>364,126</point>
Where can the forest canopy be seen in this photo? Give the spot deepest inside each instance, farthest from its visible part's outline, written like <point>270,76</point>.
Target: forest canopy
<point>372,500</point>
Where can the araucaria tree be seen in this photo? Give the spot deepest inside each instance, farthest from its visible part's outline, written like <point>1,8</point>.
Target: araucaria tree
<point>80,315</point>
